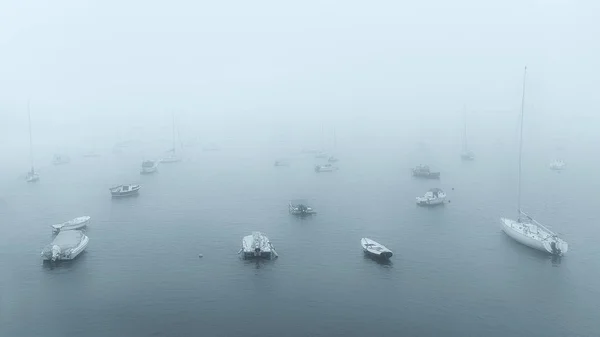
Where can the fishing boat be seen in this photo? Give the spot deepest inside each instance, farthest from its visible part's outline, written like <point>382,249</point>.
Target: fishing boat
<point>300,208</point>
<point>557,165</point>
<point>124,190</point>
<point>423,171</point>
<point>525,229</point>
<point>149,166</point>
<point>466,154</point>
<point>67,245</point>
<point>257,245</point>
<point>77,223</point>
<point>172,155</point>
<point>434,196</point>
<point>31,175</point>
<point>325,168</point>
<point>375,249</point>
<point>60,159</point>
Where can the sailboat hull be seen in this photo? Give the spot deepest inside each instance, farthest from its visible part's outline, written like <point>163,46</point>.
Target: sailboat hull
<point>533,237</point>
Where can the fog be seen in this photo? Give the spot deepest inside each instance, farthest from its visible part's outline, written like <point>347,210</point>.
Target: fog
<point>268,74</point>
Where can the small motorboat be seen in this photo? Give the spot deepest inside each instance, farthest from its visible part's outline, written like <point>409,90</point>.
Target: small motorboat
<point>257,245</point>
<point>149,166</point>
<point>557,165</point>
<point>300,208</point>
<point>434,196</point>
<point>74,224</point>
<point>375,249</point>
<point>32,176</point>
<point>332,159</point>
<point>325,168</point>
<point>422,171</point>
<point>60,159</point>
<point>67,245</point>
<point>124,190</point>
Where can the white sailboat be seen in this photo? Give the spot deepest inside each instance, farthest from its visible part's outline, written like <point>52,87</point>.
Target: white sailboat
<point>31,176</point>
<point>172,156</point>
<point>525,229</point>
<point>466,154</point>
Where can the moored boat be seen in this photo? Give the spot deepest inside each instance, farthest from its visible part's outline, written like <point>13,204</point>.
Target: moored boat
<point>149,166</point>
<point>74,224</point>
<point>434,196</point>
<point>557,165</point>
<point>375,249</point>
<point>257,245</point>
<point>300,207</point>
<point>67,245</point>
<point>423,171</point>
<point>60,159</point>
<point>124,190</point>
<point>325,168</point>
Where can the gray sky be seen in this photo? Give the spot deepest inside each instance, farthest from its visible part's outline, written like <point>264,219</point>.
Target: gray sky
<point>272,69</point>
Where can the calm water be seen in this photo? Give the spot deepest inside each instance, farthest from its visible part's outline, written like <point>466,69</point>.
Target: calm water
<point>454,273</point>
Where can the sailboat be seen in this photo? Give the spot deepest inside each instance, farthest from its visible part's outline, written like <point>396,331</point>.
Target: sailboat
<point>172,156</point>
<point>31,176</point>
<point>466,154</point>
<point>525,229</point>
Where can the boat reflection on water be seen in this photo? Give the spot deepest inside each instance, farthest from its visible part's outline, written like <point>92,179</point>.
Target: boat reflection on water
<point>383,262</point>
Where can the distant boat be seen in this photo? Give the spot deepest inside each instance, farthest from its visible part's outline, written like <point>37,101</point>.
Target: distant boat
<point>172,156</point>
<point>257,245</point>
<point>375,249</point>
<point>149,166</point>
<point>557,165</point>
<point>124,190</point>
<point>211,147</point>
<point>434,196</point>
<point>332,159</point>
<point>325,168</point>
<point>466,154</point>
<point>60,159</point>
<point>422,171</point>
<point>67,245</point>
<point>77,223</point>
<point>525,229</point>
<point>281,163</point>
<point>31,176</point>
<point>300,207</point>
<point>91,154</point>
<point>321,155</point>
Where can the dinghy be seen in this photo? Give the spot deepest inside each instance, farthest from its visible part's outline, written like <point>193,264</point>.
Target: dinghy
<point>77,223</point>
<point>375,249</point>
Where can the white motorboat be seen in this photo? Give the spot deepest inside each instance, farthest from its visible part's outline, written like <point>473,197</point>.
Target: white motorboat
<point>300,207</point>
<point>60,159</point>
<point>325,168</point>
<point>77,223</point>
<point>124,190</point>
<point>434,196</point>
<point>375,249</point>
<point>525,229</point>
<point>67,245</point>
<point>557,165</point>
<point>149,166</point>
<point>31,176</point>
<point>257,245</point>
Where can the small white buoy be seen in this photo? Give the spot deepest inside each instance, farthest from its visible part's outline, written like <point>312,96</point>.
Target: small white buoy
<point>200,255</point>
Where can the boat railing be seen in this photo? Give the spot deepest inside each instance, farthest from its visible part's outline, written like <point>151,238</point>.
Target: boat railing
<point>537,223</point>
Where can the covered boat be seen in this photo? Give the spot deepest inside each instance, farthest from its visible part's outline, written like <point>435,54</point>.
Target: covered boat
<point>257,245</point>
<point>375,249</point>
<point>76,223</point>
<point>149,166</point>
<point>60,159</point>
<point>67,245</point>
<point>325,168</point>
<point>124,190</point>
<point>423,171</point>
<point>434,196</point>
<point>300,207</point>
<point>557,165</point>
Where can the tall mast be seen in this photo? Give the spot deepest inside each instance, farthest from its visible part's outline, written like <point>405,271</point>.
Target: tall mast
<point>173,115</point>
<point>30,139</point>
<point>521,140</point>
